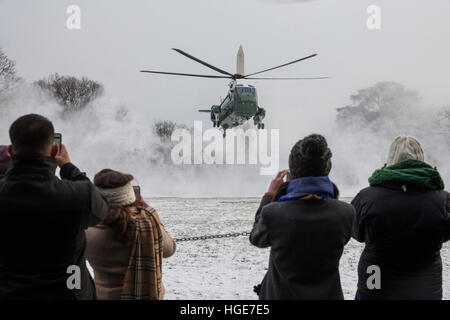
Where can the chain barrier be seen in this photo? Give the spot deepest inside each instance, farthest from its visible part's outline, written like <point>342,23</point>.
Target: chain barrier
<point>217,236</point>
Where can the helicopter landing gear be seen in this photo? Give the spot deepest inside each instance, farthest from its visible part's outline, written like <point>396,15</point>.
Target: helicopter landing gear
<point>225,127</point>
<point>259,117</point>
<point>215,119</point>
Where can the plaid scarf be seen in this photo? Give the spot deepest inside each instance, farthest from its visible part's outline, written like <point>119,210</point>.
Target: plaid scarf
<point>143,277</point>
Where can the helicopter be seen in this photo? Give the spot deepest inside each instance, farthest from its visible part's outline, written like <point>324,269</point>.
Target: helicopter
<point>241,102</point>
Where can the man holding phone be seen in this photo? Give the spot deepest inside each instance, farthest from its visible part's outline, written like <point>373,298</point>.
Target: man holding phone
<point>42,249</point>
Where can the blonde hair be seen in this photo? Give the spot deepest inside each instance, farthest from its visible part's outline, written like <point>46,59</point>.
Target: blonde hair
<point>405,147</point>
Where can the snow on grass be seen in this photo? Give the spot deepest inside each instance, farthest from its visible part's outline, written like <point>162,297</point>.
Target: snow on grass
<point>228,268</point>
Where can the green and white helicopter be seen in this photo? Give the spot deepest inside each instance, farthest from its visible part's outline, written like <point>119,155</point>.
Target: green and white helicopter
<point>241,102</point>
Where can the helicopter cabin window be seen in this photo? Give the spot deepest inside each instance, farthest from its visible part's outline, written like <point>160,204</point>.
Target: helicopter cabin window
<point>246,90</point>
<point>226,102</point>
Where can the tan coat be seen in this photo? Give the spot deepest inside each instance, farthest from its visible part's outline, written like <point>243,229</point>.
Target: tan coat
<point>109,259</point>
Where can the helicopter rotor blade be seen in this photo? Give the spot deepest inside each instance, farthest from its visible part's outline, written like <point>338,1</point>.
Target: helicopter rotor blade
<point>186,74</point>
<point>283,65</point>
<point>316,78</point>
<point>202,62</point>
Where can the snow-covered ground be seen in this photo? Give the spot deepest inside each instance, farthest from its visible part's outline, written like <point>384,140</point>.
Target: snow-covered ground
<point>228,268</point>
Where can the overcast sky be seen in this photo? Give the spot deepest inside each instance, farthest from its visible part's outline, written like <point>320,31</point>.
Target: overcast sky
<point>119,38</point>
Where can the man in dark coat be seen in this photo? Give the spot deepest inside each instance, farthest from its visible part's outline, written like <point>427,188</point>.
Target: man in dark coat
<point>403,218</point>
<point>5,160</point>
<point>306,228</point>
<point>43,218</point>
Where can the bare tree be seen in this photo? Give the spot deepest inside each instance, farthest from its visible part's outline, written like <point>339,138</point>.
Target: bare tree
<point>383,100</point>
<point>444,119</point>
<point>385,97</point>
<point>72,93</point>
<point>164,129</point>
<point>122,113</point>
<point>447,113</point>
<point>7,68</point>
<point>8,75</point>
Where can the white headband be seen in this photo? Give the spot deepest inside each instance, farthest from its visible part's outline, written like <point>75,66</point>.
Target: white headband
<point>122,196</point>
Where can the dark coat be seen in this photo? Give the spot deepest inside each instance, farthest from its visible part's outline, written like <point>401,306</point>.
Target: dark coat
<point>306,240</point>
<point>404,232</point>
<point>43,220</point>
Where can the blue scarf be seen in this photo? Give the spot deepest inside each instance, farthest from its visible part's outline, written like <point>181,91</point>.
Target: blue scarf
<point>298,188</point>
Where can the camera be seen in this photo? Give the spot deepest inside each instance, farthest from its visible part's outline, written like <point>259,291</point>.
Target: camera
<point>57,139</point>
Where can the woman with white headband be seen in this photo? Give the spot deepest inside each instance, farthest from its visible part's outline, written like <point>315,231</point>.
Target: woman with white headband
<point>127,248</point>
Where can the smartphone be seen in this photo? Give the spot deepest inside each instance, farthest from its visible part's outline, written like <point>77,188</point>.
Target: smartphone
<point>57,139</point>
<point>288,176</point>
<point>137,192</point>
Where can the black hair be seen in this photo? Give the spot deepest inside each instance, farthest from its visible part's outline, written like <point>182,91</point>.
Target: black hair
<point>31,134</point>
<point>310,157</point>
